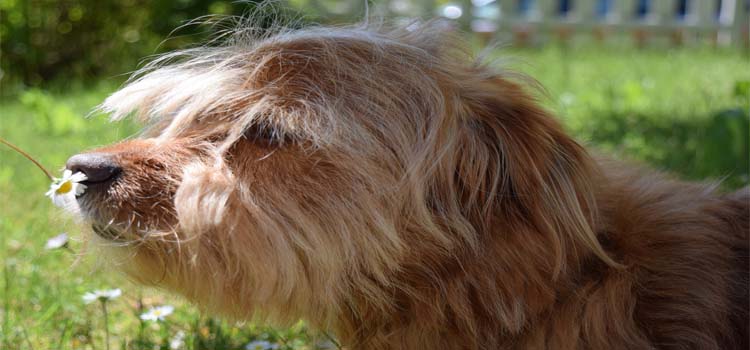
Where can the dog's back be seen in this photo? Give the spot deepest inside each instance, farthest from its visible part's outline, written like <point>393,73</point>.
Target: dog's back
<point>738,219</point>
<point>685,248</point>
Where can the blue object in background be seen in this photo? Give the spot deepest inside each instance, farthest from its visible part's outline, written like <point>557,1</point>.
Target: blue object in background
<point>565,7</point>
<point>642,8</point>
<point>681,10</point>
<point>603,8</point>
<point>525,6</point>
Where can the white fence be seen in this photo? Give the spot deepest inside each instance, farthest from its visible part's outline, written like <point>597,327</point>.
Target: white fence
<point>721,21</point>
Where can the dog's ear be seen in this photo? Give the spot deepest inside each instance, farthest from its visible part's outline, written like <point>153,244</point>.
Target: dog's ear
<point>517,167</point>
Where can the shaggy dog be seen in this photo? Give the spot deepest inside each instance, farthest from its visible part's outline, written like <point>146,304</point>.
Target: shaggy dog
<point>384,185</point>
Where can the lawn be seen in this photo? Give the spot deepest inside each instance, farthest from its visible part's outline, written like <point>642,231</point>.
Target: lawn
<point>683,110</point>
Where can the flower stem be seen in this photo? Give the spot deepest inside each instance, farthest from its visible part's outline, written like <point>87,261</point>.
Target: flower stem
<point>15,148</point>
<point>164,332</point>
<point>106,323</point>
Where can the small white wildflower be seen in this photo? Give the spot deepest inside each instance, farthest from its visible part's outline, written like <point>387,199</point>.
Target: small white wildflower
<point>178,341</point>
<point>59,241</point>
<point>64,190</point>
<point>102,295</point>
<point>158,313</point>
<point>567,98</point>
<point>452,11</point>
<point>261,345</point>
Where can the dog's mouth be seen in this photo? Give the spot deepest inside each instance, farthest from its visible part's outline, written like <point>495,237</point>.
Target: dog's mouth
<point>99,184</point>
<point>117,224</point>
<point>101,217</point>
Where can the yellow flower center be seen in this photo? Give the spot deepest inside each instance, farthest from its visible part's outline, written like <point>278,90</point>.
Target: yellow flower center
<point>65,187</point>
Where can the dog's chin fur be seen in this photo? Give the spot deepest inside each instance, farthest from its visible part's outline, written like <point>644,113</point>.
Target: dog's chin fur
<point>386,186</point>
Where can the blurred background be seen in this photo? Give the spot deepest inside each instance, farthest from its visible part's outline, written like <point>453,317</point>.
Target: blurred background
<point>666,82</point>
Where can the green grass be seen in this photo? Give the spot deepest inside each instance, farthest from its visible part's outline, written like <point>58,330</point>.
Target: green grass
<point>683,110</point>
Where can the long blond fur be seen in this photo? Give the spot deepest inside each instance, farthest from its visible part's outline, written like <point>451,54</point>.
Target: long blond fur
<point>379,182</point>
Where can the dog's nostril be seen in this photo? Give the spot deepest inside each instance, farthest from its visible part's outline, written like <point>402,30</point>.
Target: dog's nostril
<point>97,167</point>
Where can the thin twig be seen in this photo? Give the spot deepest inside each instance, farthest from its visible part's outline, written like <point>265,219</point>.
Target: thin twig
<point>106,324</point>
<point>15,148</point>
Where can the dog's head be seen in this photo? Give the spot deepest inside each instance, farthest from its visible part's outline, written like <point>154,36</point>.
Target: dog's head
<point>309,169</point>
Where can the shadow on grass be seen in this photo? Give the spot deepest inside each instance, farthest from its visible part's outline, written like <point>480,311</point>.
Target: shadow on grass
<point>717,147</point>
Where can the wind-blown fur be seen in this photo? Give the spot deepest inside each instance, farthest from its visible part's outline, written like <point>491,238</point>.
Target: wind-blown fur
<point>384,185</point>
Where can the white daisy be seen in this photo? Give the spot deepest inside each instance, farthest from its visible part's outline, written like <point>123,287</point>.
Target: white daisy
<point>102,295</point>
<point>158,313</point>
<point>261,345</point>
<point>59,241</point>
<point>63,190</point>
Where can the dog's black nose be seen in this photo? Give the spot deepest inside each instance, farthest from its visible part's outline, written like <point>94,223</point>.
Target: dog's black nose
<point>97,167</point>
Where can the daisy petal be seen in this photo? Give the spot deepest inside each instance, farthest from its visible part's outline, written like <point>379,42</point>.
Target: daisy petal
<point>79,189</point>
<point>60,201</point>
<point>78,177</point>
<point>56,242</point>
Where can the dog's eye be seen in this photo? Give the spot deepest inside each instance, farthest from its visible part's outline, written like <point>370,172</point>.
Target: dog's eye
<point>265,135</point>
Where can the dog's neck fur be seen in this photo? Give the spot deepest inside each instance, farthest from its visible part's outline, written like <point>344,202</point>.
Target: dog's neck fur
<point>534,240</point>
